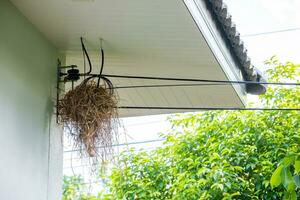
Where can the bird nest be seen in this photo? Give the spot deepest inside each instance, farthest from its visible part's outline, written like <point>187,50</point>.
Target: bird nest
<point>89,113</point>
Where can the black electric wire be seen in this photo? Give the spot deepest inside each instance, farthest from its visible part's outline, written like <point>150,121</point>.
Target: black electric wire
<point>84,65</point>
<point>99,76</point>
<point>196,80</point>
<point>102,65</point>
<point>167,85</point>
<point>87,56</point>
<point>205,108</point>
<point>221,82</point>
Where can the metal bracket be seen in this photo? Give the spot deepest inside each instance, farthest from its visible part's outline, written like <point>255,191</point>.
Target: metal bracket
<point>71,75</point>
<point>58,77</point>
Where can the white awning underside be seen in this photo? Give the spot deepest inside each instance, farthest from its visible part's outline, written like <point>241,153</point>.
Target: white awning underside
<point>144,38</point>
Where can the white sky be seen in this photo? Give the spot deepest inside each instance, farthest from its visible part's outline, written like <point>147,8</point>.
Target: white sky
<point>251,17</point>
<point>256,16</point>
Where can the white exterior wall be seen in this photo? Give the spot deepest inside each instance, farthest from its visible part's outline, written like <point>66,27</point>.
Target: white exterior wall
<point>30,142</point>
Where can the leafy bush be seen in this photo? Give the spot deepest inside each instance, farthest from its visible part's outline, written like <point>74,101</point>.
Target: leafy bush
<point>222,154</point>
<point>74,189</point>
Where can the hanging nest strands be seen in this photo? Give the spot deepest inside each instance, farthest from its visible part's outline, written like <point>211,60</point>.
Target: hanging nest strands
<point>89,112</point>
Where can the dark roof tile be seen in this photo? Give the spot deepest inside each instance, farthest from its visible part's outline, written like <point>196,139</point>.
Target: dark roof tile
<point>219,9</point>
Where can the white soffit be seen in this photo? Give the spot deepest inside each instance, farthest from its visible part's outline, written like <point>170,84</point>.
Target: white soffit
<point>145,38</point>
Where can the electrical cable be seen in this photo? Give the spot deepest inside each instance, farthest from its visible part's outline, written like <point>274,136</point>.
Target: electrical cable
<point>102,64</point>
<point>189,80</point>
<point>109,84</point>
<point>207,81</point>
<point>206,108</point>
<point>196,80</point>
<point>84,65</point>
<point>87,56</point>
<point>272,32</point>
<point>167,85</point>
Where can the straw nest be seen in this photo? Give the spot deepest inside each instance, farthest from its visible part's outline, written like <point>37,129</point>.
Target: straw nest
<point>90,115</point>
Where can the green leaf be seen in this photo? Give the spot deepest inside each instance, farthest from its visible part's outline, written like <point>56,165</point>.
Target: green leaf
<point>290,195</point>
<point>297,166</point>
<point>286,196</point>
<point>288,160</point>
<point>297,181</point>
<point>287,179</point>
<point>276,177</point>
<point>293,195</point>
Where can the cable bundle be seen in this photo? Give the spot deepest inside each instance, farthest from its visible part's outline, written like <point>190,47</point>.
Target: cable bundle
<point>89,113</point>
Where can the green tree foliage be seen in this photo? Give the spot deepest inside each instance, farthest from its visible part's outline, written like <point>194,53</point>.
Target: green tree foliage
<point>74,189</point>
<point>222,154</point>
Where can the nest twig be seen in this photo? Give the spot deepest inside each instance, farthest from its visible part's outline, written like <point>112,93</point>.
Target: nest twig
<point>90,114</point>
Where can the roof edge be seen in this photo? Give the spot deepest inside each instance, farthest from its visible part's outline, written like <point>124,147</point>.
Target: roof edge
<point>224,20</point>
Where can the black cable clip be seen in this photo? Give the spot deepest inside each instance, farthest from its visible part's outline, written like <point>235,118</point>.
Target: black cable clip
<point>72,74</point>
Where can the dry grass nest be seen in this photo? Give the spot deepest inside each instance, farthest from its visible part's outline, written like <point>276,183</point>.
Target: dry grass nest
<point>90,115</point>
